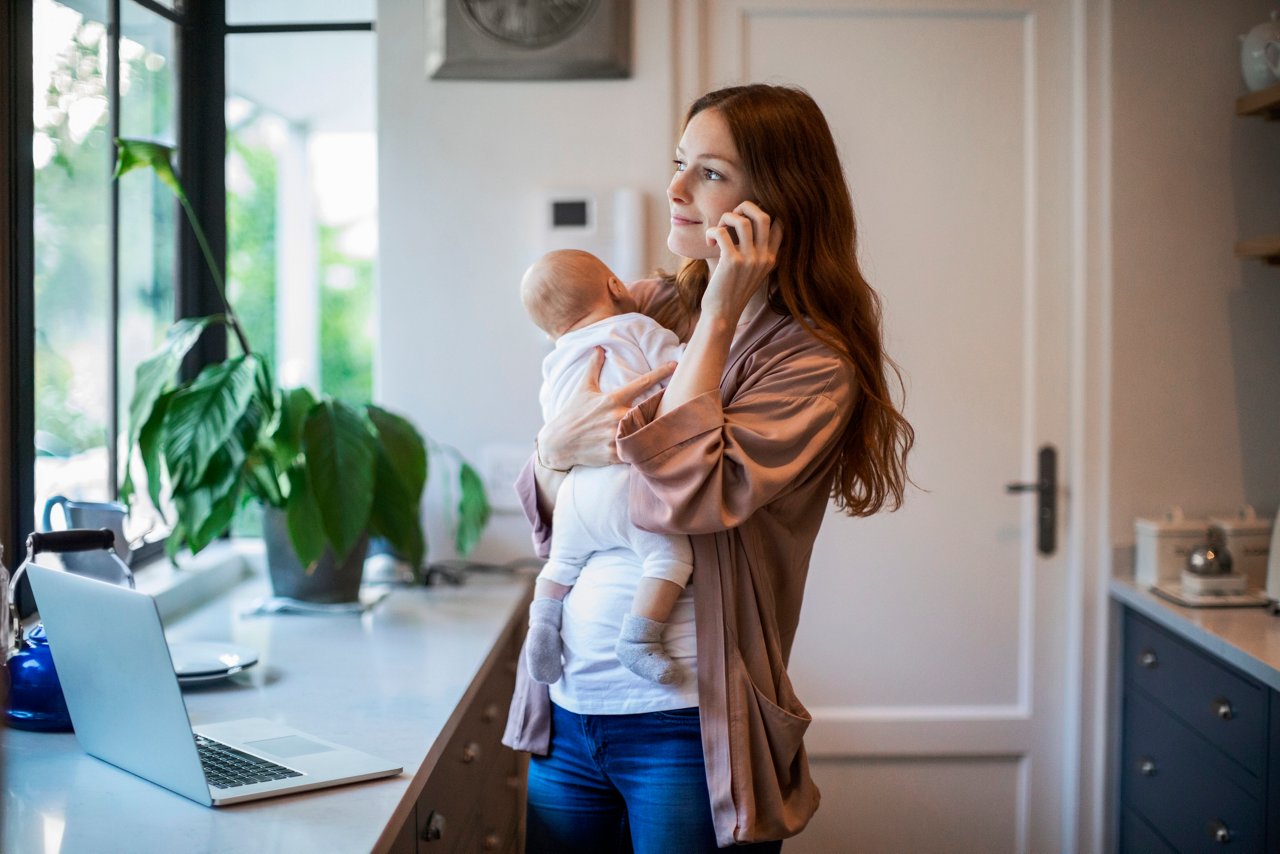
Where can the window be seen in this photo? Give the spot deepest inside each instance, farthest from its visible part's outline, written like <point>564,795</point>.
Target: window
<point>103,252</point>
<point>112,262</point>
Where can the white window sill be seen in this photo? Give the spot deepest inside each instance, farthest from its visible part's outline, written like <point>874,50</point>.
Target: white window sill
<point>198,578</point>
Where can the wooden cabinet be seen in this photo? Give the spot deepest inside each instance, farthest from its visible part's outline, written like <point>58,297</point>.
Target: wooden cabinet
<point>1200,755</point>
<point>472,799</point>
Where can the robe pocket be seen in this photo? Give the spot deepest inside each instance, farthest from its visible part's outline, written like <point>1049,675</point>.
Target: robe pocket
<point>783,730</point>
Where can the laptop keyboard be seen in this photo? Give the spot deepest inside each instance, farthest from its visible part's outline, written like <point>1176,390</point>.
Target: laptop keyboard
<point>225,767</point>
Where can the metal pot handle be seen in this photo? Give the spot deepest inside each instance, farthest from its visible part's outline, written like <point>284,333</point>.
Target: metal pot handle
<point>70,540</point>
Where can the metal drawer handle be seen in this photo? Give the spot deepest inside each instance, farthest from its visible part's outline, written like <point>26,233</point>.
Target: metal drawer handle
<point>1147,767</point>
<point>1148,659</point>
<point>1220,832</point>
<point>1223,708</point>
<point>470,752</point>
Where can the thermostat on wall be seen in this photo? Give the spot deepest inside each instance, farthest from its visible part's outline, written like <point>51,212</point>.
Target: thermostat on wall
<point>575,215</point>
<point>609,225</point>
<point>572,213</point>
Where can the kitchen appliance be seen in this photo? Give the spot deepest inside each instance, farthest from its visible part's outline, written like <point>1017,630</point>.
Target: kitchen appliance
<point>1248,539</point>
<point>35,693</point>
<point>1209,571</point>
<point>1209,579</point>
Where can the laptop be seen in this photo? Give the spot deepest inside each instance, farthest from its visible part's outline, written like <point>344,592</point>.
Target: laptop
<point>126,706</point>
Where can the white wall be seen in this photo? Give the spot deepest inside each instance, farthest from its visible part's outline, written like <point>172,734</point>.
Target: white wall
<point>463,166</point>
<point>1196,351</point>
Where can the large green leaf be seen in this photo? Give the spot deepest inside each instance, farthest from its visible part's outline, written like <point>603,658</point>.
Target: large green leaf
<point>208,509</point>
<point>154,376</point>
<point>203,416</point>
<point>294,406</point>
<point>149,439</point>
<point>140,153</point>
<point>473,510</point>
<point>396,514</point>
<point>306,529</point>
<point>405,449</point>
<point>340,452</point>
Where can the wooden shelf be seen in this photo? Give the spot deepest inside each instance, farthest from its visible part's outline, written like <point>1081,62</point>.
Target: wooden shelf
<point>1263,248</point>
<point>1264,102</point>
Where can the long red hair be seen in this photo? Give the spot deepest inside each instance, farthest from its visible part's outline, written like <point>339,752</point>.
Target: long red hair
<point>794,170</point>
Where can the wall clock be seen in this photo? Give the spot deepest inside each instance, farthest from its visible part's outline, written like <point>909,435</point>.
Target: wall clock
<point>528,39</point>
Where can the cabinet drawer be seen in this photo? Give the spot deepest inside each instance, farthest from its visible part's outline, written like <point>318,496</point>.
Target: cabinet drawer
<point>1137,837</point>
<point>496,820</point>
<point>469,780</point>
<point>1224,706</point>
<point>1175,780</point>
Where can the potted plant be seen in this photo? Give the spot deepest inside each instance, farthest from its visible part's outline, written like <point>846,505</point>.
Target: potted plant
<point>328,473</point>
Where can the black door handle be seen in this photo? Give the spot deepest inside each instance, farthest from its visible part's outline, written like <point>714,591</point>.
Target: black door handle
<point>1046,489</point>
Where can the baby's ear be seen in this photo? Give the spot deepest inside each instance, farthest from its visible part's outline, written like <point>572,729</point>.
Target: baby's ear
<point>621,295</point>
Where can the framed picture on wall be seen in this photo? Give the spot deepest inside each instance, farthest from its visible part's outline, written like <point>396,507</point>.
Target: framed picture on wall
<point>528,39</point>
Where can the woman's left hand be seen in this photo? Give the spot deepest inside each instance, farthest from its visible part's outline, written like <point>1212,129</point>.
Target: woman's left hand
<point>744,264</point>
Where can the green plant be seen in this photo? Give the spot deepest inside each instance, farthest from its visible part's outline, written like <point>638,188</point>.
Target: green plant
<point>230,435</point>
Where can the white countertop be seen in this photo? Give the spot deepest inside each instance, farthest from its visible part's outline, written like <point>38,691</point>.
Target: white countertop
<point>385,682</point>
<point>1247,638</point>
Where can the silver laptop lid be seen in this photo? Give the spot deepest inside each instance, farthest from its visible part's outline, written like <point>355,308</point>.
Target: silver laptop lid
<point>113,663</point>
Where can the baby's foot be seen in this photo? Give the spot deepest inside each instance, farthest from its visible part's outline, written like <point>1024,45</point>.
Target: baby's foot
<point>640,650</point>
<point>543,645</point>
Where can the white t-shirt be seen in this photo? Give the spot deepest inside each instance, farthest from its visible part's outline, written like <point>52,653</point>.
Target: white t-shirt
<point>594,681</point>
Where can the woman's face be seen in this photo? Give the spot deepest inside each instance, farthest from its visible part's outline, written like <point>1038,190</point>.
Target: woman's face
<point>709,180</point>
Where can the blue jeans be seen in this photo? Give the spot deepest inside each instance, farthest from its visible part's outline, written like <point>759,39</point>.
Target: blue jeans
<point>623,783</point>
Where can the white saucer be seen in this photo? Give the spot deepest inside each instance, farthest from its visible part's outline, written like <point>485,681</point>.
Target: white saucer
<point>196,661</point>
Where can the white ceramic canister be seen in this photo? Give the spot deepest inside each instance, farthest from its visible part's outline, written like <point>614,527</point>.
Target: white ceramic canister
<point>1257,54</point>
<point>1248,539</point>
<point>1163,546</point>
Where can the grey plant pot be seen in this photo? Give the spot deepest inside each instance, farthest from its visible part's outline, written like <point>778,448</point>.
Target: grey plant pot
<point>328,583</point>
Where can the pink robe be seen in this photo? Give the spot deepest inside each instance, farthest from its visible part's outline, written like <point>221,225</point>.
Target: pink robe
<point>747,474</point>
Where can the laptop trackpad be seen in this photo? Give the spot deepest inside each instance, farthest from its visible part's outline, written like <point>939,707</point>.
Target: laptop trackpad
<point>287,746</point>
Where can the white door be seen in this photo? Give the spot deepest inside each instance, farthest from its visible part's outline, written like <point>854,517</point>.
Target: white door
<point>932,646</point>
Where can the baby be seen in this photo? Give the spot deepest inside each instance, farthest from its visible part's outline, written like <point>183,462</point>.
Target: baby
<point>581,305</point>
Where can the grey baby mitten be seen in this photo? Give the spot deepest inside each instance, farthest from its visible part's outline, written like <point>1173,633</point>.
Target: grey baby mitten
<point>640,650</point>
<point>542,645</point>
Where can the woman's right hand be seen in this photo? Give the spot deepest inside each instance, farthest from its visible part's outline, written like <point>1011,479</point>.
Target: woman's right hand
<point>584,432</point>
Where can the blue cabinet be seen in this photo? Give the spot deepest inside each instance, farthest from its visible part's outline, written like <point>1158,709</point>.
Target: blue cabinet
<point>1200,769</point>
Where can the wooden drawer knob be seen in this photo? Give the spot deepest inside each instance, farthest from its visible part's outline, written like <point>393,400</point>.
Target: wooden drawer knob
<point>434,829</point>
<point>492,842</point>
<point>491,713</point>
<point>470,752</point>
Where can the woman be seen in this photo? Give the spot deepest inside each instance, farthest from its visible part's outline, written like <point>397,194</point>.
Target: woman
<point>780,403</point>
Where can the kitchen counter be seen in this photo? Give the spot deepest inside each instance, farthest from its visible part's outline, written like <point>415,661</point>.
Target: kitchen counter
<point>1247,638</point>
<point>392,681</point>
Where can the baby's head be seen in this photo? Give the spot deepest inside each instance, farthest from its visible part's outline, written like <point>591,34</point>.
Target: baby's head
<point>568,288</point>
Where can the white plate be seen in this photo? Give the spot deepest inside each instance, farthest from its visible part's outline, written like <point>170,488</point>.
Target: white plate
<point>203,661</point>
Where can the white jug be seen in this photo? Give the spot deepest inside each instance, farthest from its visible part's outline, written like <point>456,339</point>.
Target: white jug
<point>1260,54</point>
